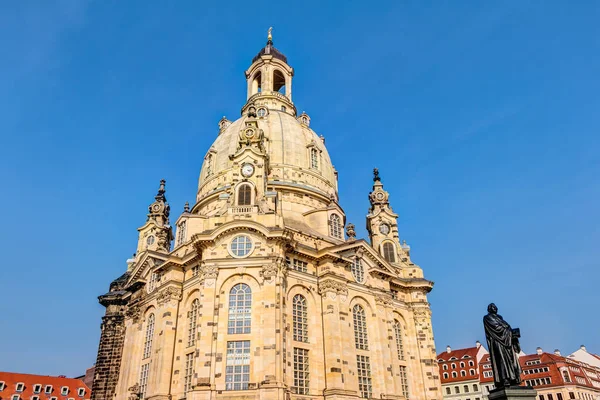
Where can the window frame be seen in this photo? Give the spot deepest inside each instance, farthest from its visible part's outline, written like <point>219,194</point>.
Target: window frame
<point>300,318</point>
<point>388,248</point>
<point>335,226</point>
<point>234,252</point>
<point>239,310</point>
<point>238,359</point>
<point>301,371</point>
<point>244,189</point>
<point>361,334</point>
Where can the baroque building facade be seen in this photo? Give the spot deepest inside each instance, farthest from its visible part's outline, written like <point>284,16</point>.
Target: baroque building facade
<point>264,294</point>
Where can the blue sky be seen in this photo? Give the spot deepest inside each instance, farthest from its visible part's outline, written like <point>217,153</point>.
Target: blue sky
<point>482,118</point>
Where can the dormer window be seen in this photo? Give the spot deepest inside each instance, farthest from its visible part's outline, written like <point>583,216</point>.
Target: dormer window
<point>181,231</point>
<point>35,397</point>
<point>64,390</point>
<point>48,389</point>
<point>314,158</point>
<point>335,226</point>
<point>80,392</point>
<point>209,161</point>
<point>15,397</point>
<point>20,387</point>
<point>2,385</point>
<point>37,388</point>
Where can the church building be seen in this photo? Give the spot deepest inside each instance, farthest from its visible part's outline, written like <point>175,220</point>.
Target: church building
<point>261,289</point>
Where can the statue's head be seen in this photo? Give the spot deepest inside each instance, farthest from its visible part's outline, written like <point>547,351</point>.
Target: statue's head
<point>492,309</point>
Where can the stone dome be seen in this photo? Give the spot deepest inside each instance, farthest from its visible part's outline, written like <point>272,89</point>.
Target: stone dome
<point>290,146</point>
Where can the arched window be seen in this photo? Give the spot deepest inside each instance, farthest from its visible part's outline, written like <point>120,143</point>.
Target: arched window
<point>209,161</point>
<point>244,195</point>
<point>445,367</point>
<point>389,252</point>
<point>399,345</point>
<point>240,309</point>
<point>257,83</point>
<point>445,375</point>
<point>357,269</point>
<point>278,81</point>
<point>314,158</point>
<point>300,318</point>
<point>149,336</point>
<point>448,391</point>
<point>335,226</point>
<point>462,364</point>
<point>471,363</point>
<point>360,328</point>
<point>453,365</point>
<point>192,322</point>
<point>454,374</point>
<point>463,373</point>
<point>181,233</point>
<point>472,371</point>
<point>566,376</point>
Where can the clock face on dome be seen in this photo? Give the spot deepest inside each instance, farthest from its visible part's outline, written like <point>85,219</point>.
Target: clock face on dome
<point>379,196</point>
<point>247,170</point>
<point>384,228</point>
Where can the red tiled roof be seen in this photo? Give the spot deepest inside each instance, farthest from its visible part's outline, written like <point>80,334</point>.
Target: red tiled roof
<point>459,354</point>
<point>11,379</point>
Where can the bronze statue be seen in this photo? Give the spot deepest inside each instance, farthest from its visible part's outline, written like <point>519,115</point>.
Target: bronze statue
<point>503,344</point>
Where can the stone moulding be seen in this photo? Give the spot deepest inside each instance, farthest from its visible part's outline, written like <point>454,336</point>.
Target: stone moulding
<point>168,295</point>
<point>332,286</point>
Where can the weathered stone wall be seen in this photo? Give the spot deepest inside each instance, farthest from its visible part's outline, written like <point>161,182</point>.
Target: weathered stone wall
<point>108,361</point>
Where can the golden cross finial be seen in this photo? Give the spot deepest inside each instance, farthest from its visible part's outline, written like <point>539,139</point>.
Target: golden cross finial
<point>270,36</point>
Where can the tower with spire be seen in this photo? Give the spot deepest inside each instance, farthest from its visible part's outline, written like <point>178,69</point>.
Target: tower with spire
<point>156,234</point>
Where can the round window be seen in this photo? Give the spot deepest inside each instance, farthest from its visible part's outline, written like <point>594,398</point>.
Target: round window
<point>241,246</point>
<point>150,240</point>
<point>261,112</point>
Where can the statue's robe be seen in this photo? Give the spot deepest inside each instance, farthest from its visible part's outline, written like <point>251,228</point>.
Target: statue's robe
<point>505,362</point>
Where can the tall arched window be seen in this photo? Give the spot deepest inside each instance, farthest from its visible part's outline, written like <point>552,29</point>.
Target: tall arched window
<point>360,327</point>
<point>240,309</point>
<point>454,374</point>
<point>192,322</point>
<point>445,375</point>
<point>244,195</point>
<point>398,334</point>
<point>314,158</point>
<point>335,226</point>
<point>149,336</point>
<point>463,373</point>
<point>278,82</point>
<point>445,367</point>
<point>388,252</point>
<point>357,269</point>
<point>209,161</point>
<point>300,318</point>
<point>462,364</point>
<point>181,233</point>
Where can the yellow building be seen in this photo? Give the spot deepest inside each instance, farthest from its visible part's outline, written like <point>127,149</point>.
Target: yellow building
<point>265,295</point>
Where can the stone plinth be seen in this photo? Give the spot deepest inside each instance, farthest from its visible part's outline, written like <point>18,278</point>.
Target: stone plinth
<point>513,393</point>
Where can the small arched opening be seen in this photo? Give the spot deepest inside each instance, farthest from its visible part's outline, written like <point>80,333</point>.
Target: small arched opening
<point>278,81</point>
<point>257,83</point>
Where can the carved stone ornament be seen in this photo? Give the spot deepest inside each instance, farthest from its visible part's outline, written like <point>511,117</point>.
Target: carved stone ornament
<point>269,271</point>
<point>331,286</point>
<point>133,313</point>
<point>383,300</point>
<point>135,392</point>
<point>168,295</point>
<point>209,272</point>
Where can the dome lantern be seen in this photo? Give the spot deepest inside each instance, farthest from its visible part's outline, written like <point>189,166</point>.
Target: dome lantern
<point>269,80</point>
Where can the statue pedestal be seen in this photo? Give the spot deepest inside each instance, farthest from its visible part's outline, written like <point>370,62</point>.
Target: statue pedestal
<point>513,393</point>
